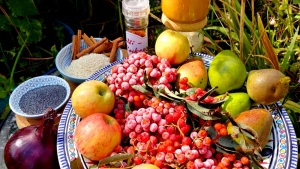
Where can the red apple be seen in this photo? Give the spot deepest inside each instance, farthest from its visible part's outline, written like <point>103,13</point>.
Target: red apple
<point>92,97</point>
<point>97,135</point>
<point>173,46</point>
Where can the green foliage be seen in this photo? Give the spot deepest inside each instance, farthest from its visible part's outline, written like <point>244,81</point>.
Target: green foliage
<point>22,30</point>
<point>22,8</point>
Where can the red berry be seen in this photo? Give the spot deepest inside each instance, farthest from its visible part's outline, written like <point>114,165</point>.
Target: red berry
<point>176,116</point>
<point>208,99</point>
<point>161,148</point>
<point>170,149</point>
<point>181,158</point>
<point>137,160</point>
<point>218,126</point>
<point>181,123</point>
<point>183,80</point>
<point>168,142</point>
<point>193,97</point>
<point>169,118</point>
<point>245,160</point>
<point>190,165</point>
<point>171,129</point>
<point>202,133</point>
<point>158,163</point>
<point>185,129</point>
<point>177,144</point>
<point>186,140</point>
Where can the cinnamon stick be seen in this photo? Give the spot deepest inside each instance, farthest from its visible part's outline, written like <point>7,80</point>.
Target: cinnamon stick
<point>120,44</point>
<point>87,40</point>
<point>103,47</point>
<point>114,49</point>
<point>93,39</point>
<point>91,48</point>
<point>79,32</point>
<point>74,46</point>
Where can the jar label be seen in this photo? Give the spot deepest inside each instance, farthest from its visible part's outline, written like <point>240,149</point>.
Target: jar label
<point>136,43</point>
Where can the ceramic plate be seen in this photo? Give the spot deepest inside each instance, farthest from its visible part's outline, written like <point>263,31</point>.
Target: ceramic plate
<point>280,153</point>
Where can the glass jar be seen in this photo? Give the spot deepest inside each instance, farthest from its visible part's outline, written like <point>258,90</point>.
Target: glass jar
<point>185,11</point>
<point>136,18</point>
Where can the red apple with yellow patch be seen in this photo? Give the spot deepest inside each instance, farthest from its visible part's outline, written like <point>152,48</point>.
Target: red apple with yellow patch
<point>92,97</point>
<point>173,46</point>
<point>97,135</point>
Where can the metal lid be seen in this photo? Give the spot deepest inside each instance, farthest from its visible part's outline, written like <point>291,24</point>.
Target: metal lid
<point>135,8</point>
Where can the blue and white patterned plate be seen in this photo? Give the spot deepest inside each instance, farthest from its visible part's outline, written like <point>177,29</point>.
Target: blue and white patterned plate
<point>281,152</point>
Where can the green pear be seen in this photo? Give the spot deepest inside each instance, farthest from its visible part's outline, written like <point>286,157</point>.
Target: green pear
<point>227,71</point>
<point>236,103</point>
<point>267,86</point>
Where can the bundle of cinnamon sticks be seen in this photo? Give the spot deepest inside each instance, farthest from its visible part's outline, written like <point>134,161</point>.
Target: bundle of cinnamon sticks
<point>104,46</point>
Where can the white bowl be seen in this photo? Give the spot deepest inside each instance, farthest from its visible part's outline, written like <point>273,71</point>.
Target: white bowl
<point>35,83</point>
<point>64,58</point>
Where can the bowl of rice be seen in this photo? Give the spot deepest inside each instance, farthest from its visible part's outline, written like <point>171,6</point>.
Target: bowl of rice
<point>79,70</point>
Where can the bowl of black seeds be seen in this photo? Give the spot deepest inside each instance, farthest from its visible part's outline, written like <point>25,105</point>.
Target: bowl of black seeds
<point>31,98</point>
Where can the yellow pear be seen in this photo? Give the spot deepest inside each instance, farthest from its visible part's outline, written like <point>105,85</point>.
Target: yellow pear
<point>145,166</point>
<point>259,121</point>
<point>267,86</point>
<point>194,69</point>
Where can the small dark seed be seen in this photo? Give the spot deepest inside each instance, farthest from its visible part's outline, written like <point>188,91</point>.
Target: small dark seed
<point>36,101</point>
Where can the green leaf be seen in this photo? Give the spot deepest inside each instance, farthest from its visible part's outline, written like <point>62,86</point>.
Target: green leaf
<point>147,82</point>
<point>211,132</point>
<point>223,30</point>
<point>142,89</point>
<point>127,105</point>
<point>76,164</point>
<point>292,105</point>
<point>208,93</point>
<point>227,141</point>
<point>296,1</point>
<point>190,91</point>
<point>202,112</point>
<point>3,93</point>
<point>169,93</point>
<point>115,158</point>
<point>30,29</point>
<point>4,24</point>
<point>22,7</point>
<point>254,163</point>
<point>284,65</point>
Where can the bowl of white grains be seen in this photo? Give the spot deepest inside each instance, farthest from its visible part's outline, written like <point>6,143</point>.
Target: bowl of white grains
<point>31,98</point>
<point>79,60</point>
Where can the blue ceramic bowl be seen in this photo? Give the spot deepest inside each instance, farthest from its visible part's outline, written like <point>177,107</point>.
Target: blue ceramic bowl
<point>37,83</point>
<point>64,58</point>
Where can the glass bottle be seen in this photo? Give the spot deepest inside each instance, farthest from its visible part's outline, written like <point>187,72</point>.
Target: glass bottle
<point>136,17</point>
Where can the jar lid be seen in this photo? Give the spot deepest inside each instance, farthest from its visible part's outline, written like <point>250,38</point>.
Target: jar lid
<point>135,8</point>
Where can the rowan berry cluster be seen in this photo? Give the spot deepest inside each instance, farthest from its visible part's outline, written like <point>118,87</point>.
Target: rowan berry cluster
<point>131,72</point>
<point>158,131</point>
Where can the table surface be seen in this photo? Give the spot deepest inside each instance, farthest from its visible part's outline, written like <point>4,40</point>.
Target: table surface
<point>9,127</point>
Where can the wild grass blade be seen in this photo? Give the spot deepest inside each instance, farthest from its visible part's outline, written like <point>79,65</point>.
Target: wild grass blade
<point>242,31</point>
<point>270,52</point>
<point>284,65</point>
